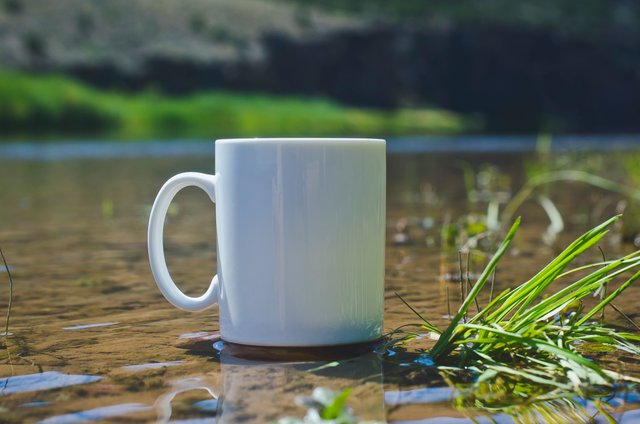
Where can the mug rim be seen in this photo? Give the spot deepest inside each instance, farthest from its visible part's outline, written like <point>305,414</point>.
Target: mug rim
<point>288,140</point>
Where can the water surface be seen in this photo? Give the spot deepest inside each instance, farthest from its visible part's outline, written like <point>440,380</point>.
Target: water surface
<point>94,340</point>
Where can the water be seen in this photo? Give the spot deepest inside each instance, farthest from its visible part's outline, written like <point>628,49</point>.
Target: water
<point>97,414</point>
<point>42,381</point>
<point>88,315</point>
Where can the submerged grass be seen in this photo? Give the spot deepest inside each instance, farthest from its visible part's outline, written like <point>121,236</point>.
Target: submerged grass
<point>535,344</point>
<point>55,106</point>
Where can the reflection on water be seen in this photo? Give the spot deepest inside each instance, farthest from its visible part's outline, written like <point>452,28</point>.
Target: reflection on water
<point>31,404</point>
<point>97,414</point>
<point>423,395</point>
<point>629,417</point>
<point>84,326</point>
<point>197,334</point>
<point>209,405</point>
<point>42,381</point>
<point>497,419</point>
<point>74,233</point>
<point>558,414</point>
<point>163,404</point>
<point>421,144</point>
<point>565,411</point>
<point>152,365</point>
<point>262,391</point>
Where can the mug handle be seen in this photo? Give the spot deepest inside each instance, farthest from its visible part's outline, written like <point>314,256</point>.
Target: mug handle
<point>156,247</point>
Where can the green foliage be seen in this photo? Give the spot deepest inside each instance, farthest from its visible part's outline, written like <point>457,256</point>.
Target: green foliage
<point>492,203</point>
<point>631,223</point>
<point>336,407</point>
<point>46,105</point>
<point>526,338</point>
<point>38,105</point>
<point>325,406</point>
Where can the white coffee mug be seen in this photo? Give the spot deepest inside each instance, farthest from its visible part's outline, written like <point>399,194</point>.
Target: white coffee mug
<point>301,232</point>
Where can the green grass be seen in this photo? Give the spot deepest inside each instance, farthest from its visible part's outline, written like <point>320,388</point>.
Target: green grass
<point>534,340</point>
<point>55,106</point>
<point>325,406</point>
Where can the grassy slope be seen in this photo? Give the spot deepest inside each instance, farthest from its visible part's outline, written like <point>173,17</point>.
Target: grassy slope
<point>46,106</point>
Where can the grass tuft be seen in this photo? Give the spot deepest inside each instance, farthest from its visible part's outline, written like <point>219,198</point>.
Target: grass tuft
<point>532,343</point>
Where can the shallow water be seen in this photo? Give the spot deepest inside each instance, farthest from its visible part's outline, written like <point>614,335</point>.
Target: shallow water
<point>93,339</point>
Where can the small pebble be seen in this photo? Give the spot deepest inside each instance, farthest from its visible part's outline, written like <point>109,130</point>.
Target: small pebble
<point>401,238</point>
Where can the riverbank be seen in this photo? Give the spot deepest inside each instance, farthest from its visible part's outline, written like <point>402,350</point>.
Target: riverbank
<point>50,106</point>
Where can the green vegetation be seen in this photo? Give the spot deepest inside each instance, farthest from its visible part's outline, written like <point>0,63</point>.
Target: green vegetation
<point>493,201</point>
<point>525,346</point>
<point>46,106</point>
<point>325,406</point>
<point>631,225</point>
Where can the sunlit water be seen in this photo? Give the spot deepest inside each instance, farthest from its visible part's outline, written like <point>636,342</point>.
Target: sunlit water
<point>93,339</point>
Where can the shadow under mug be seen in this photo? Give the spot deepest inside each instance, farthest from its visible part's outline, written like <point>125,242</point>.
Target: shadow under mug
<point>300,236</point>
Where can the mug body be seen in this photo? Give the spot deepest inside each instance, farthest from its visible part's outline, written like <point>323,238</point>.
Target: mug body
<point>300,226</point>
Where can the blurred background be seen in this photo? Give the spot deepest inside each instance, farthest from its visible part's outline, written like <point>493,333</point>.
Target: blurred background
<point>150,69</point>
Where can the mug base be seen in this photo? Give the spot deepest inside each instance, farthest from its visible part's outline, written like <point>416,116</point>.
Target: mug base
<point>301,353</point>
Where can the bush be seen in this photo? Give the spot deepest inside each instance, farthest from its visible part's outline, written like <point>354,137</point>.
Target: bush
<point>39,105</point>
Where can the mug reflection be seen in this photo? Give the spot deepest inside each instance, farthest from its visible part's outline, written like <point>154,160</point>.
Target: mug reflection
<point>262,391</point>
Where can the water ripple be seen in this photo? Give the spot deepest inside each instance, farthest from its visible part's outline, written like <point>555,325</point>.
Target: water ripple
<point>42,381</point>
<point>152,365</point>
<point>83,326</point>
<point>96,414</point>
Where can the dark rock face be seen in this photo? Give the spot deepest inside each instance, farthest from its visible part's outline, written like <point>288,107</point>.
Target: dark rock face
<point>516,80</point>
<point>355,67</point>
<point>172,76</point>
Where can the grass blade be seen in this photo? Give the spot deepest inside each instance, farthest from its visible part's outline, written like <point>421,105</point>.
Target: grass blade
<point>609,298</point>
<point>426,323</point>
<point>443,344</point>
